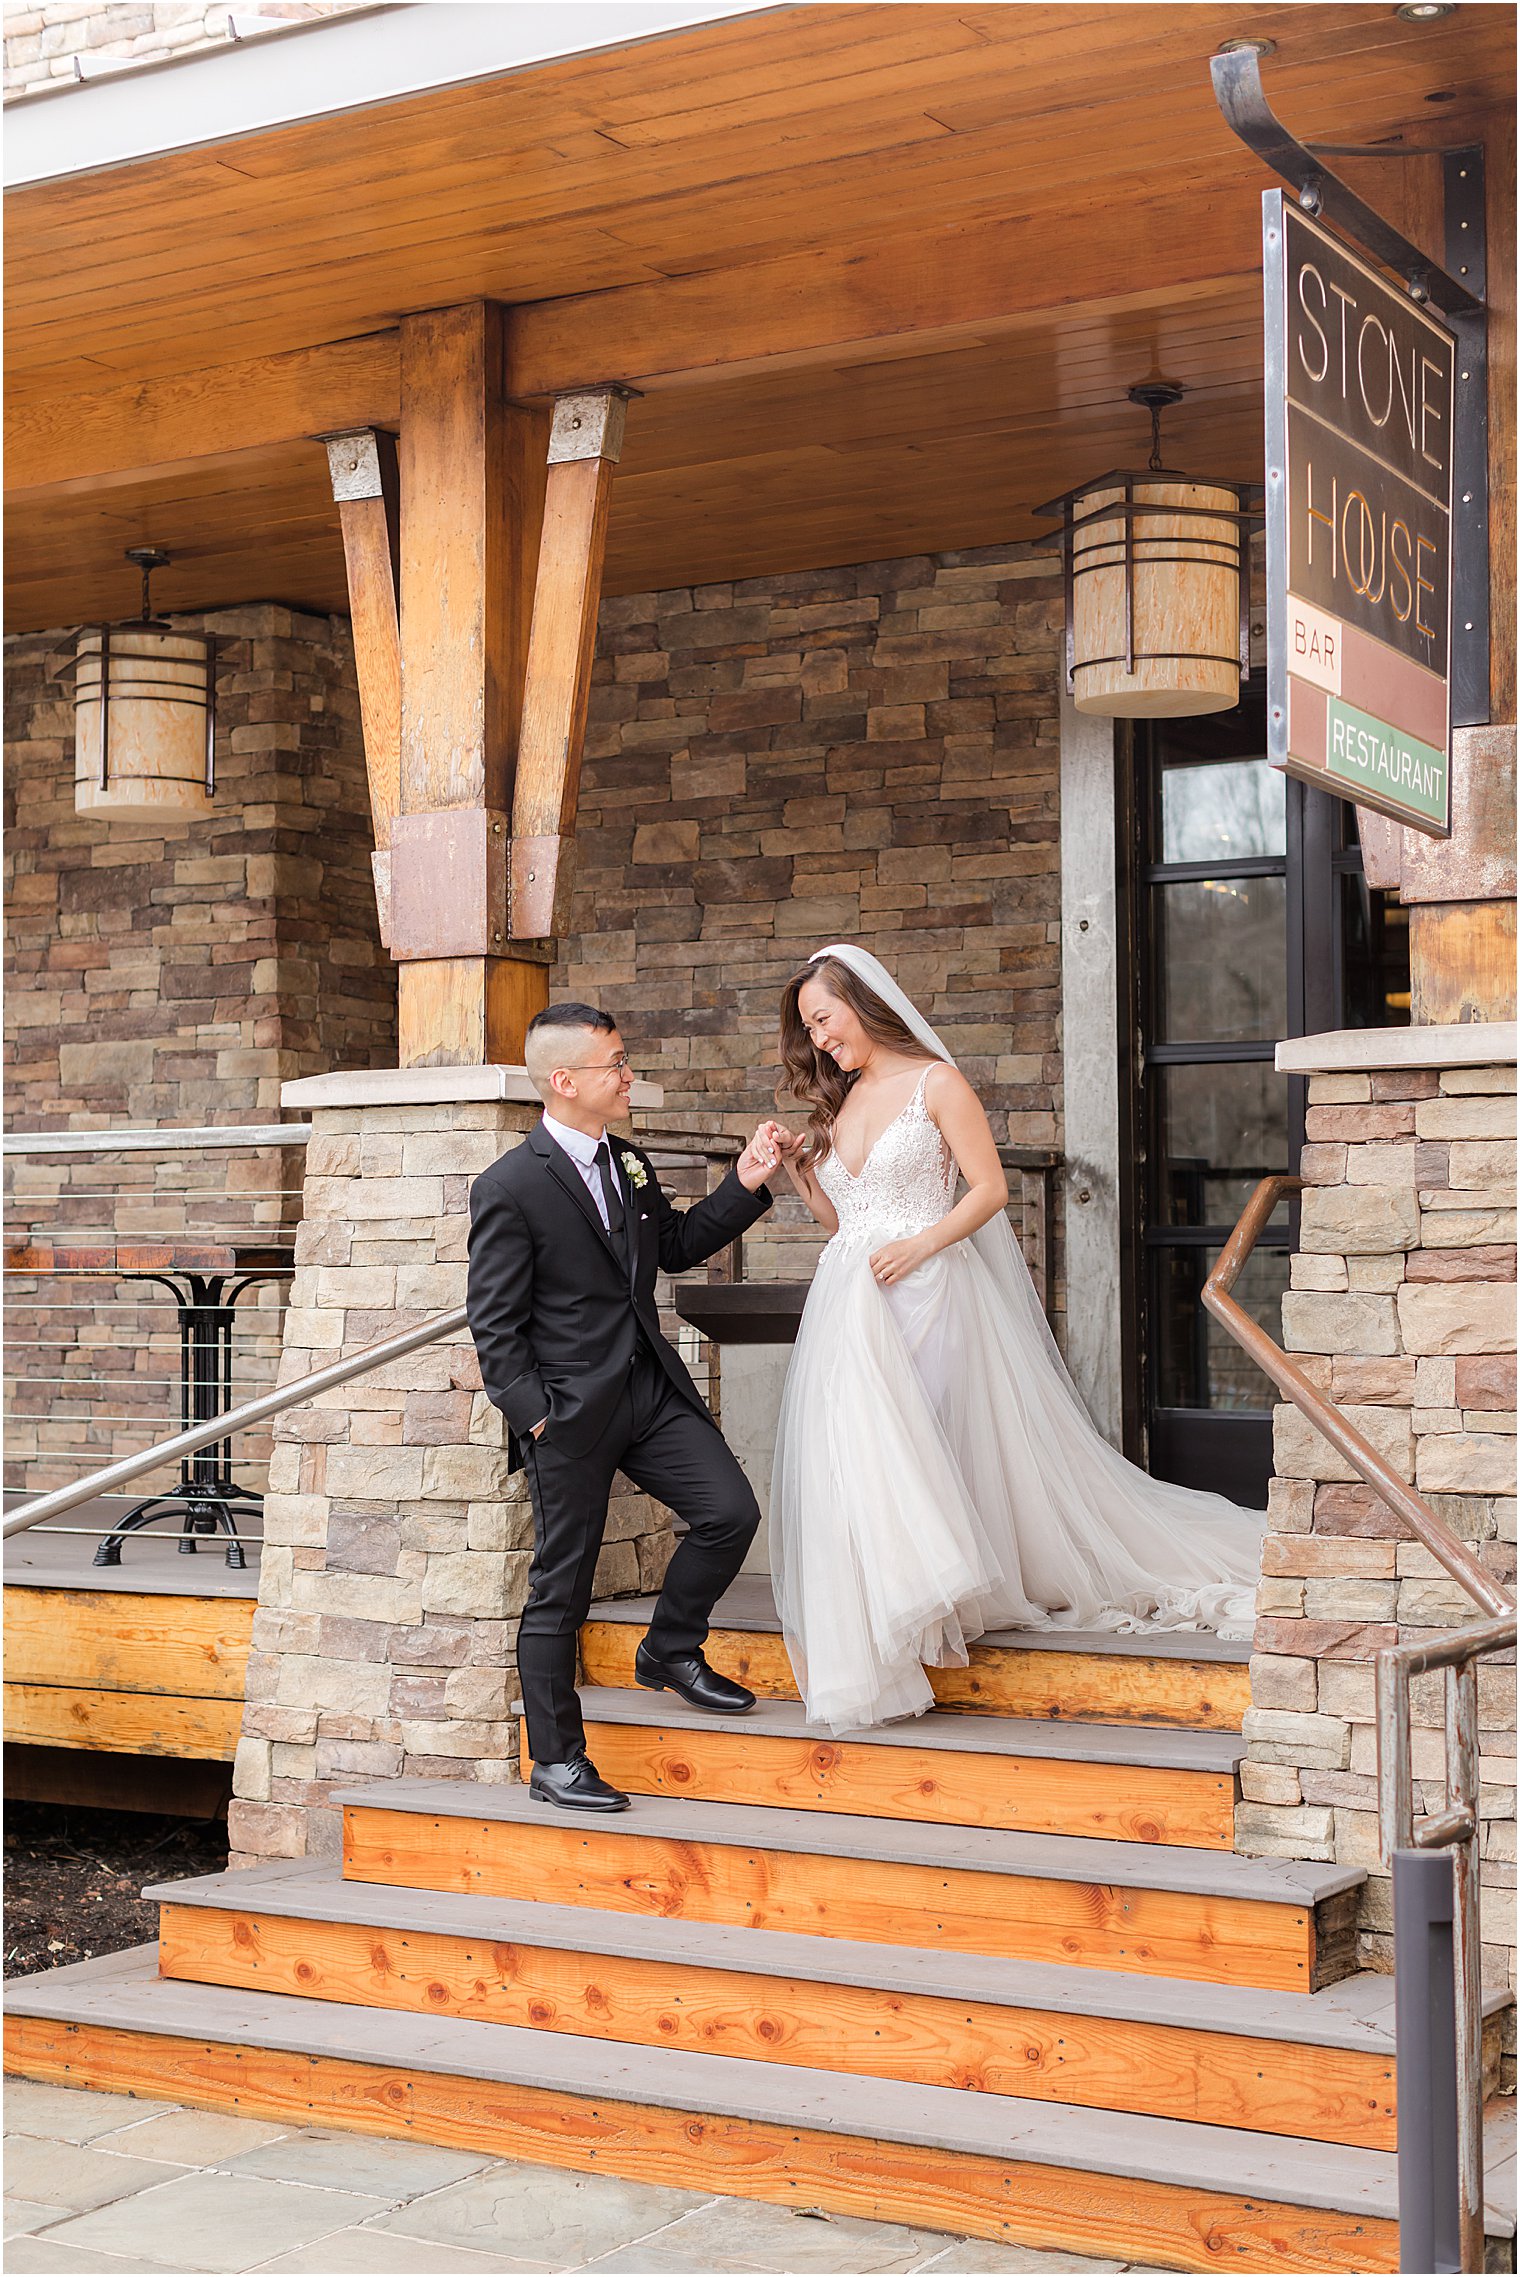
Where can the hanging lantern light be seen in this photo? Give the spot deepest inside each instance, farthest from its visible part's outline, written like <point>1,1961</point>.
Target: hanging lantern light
<point>1157,619</point>
<point>144,715</point>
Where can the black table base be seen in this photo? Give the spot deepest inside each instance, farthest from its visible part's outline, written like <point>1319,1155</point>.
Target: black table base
<point>208,1508</point>
<point>207,1492</point>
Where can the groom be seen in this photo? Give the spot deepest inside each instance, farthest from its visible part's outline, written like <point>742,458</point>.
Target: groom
<point>567,1234</point>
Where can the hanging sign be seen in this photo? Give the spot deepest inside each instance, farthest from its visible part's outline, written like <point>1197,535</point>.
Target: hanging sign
<point>1360,386</point>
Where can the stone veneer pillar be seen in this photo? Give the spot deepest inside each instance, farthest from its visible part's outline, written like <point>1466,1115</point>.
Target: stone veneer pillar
<point>1402,1309</point>
<point>397,1543</point>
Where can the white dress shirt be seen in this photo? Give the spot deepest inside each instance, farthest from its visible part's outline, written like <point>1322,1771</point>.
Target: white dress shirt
<point>582,1152</point>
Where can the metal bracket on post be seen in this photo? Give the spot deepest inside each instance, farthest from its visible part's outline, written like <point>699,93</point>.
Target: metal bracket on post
<point>1241,97</point>
<point>1467,252</point>
<point>1457,292</point>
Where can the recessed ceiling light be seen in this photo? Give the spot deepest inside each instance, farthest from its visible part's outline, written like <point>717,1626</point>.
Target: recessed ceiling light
<point>1246,47</point>
<point>1425,11</point>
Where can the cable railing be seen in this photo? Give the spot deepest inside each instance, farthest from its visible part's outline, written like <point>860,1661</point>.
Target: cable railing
<point>87,1220</point>
<point>107,1229</point>
<point>115,1475</point>
<point>1432,1856</point>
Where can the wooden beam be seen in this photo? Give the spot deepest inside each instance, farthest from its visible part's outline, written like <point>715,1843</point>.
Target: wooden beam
<point>366,487</point>
<point>585,443</point>
<point>888,299</point>
<point>896,298</point>
<point>468,1011</point>
<point>1462,961</point>
<point>124,432</point>
<point>472,479</point>
<point>458,623</point>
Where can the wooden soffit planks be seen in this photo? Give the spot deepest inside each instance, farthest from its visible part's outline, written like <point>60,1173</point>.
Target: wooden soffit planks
<point>738,143</point>
<point>883,275</point>
<point>928,293</point>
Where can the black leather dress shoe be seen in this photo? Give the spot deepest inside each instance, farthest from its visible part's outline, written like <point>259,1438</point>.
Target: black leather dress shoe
<point>688,1674</point>
<point>575,1786</point>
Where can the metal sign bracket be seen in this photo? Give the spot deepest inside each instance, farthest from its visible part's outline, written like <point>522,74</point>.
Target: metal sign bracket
<point>1456,291</point>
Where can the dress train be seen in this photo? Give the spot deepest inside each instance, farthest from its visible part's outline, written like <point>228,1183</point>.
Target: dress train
<point>936,1474</point>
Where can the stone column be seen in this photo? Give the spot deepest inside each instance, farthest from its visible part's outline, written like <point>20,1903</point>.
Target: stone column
<point>1402,1309</point>
<point>1090,1064</point>
<point>397,1543</point>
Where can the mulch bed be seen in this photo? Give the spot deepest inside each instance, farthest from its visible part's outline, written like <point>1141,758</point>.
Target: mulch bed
<point>73,1877</point>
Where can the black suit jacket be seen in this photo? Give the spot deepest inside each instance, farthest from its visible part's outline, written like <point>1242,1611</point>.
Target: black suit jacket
<point>554,1312</point>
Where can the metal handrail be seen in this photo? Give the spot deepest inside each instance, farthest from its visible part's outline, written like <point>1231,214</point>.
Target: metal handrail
<point>1431,2235</point>
<point>1444,2237</point>
<point>66,1498</point>
<point>156,1139</point>
<point>715,1147</point>
<point>1294,1385</point>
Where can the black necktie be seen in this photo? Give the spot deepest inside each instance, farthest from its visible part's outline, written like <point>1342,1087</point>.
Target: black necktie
<point>616,1222</point>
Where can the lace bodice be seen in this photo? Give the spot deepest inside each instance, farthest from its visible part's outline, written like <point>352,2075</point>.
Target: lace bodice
<point>905,1183</point>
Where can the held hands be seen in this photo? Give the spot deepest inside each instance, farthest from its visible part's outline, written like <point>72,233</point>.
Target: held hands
<point>765,1151</point>
<point>900,1258</point>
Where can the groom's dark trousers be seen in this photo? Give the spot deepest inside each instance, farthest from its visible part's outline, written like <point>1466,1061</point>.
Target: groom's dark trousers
<point>566,1328</point>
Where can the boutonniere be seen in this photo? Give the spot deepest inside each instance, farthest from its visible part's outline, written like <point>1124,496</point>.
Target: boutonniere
<point>633,1170</point>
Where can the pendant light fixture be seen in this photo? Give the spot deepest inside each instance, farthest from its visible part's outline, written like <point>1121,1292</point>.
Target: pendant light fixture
<point>144,715</point>
<point>1157,623</point>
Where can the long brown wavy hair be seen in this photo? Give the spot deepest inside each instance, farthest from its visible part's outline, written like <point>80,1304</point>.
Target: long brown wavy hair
<point>810,1076</point>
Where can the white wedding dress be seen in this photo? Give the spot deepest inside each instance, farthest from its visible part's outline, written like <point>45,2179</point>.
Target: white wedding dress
<point>936,1474</point>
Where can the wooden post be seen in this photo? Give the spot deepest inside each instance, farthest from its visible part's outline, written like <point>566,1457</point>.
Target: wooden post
<point>366,486</point>
<point>585,443</point>
<point>472,486</point>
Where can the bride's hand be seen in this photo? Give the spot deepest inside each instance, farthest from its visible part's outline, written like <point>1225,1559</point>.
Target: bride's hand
<point>900,1258</point>
<point>760,1157</point>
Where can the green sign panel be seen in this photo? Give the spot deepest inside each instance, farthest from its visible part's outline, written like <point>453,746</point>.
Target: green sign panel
<point>1383,763</point>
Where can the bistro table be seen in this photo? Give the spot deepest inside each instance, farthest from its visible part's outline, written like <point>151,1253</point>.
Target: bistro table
<point>205,1278</point>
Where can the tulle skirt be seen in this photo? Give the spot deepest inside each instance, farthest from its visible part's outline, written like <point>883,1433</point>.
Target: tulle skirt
<point>936,1475</point>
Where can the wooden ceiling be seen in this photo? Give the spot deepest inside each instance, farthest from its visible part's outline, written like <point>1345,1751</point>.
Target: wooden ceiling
<point>883,273</point>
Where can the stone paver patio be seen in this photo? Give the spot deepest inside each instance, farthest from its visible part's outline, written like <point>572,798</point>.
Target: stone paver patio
<point>106,2183</point>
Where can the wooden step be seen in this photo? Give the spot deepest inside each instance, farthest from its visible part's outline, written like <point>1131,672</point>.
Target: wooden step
<point>136,1673</point>
<point>1177,1677</point>
<point>1118,1781</point>
<point>1150,1909</point>
<point>1160,2191</point>
<point>1319,2065</point>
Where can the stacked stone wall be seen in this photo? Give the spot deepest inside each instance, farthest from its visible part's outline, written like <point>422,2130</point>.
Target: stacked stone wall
<point>41,43</point>
<point>175,977</point>
<point>869,753</point>
<point>1402,1309</point>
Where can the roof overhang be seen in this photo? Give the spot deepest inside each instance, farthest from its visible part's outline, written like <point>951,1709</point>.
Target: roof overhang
<point>882,275</point>
<point>318,70</point>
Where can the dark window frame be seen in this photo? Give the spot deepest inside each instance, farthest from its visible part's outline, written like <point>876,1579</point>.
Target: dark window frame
<point>1229,1449</point>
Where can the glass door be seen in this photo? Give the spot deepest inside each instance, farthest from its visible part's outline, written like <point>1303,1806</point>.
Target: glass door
<point>1251,921</point>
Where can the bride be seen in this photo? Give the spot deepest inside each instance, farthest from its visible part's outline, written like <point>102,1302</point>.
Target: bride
<point>936,1473</point>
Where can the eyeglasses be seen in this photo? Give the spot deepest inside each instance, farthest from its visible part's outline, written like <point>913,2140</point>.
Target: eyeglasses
<point>603,1066</point>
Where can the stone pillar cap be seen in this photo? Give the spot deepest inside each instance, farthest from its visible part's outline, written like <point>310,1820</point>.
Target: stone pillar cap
<point>427,1087</point>
<point>1344,1051</point>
